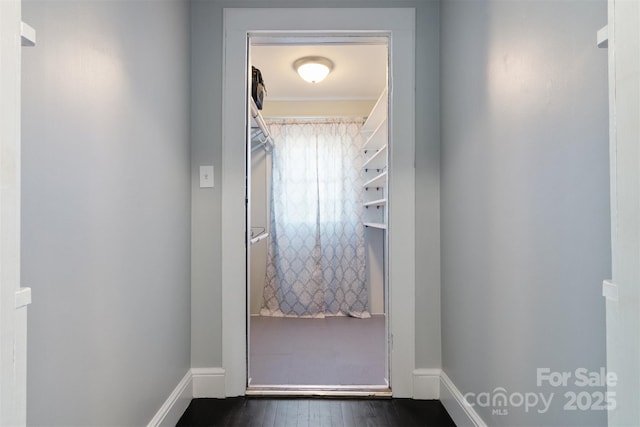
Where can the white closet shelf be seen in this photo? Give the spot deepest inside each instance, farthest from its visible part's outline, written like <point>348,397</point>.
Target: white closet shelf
<point>378,160</point>
<point>379,202</point>
<point>377,225</point>
<point>259,145</point>
<point>259,237</point>
<point>377,182</point>
<point>378,114</point>
<point>378,138</point>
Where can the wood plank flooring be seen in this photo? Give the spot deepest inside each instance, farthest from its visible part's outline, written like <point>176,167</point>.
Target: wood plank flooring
<point>299,412</point>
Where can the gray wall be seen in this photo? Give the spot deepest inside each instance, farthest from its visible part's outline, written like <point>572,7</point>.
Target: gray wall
<point>525,198</point>
<point>106,203</point>
<point>206,77</point>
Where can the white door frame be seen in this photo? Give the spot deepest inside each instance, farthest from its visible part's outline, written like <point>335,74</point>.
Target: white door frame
<point>13,300</point>
<point>623,291</point>
<point>399,25</point>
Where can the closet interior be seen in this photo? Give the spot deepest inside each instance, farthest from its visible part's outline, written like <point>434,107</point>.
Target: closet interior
<point>317,219</point>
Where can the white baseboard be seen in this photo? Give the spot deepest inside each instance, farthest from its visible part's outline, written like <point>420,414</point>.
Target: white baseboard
<point>208,382</point>
<point>198,382</point>
<point>175,405</point>
<point>462,413</point>
<point>426,384</point>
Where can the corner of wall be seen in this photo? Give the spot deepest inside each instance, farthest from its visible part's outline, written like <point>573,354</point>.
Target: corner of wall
<point>197,383</point>
<point>208,382</point>
<point>426,384</point>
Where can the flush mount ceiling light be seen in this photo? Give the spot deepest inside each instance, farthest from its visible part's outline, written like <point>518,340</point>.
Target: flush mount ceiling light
<point>313,69</point>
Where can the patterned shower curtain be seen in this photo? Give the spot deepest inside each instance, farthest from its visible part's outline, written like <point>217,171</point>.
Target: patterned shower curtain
<point>316,256</point>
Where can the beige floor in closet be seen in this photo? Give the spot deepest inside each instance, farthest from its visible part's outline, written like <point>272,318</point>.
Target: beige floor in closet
<point>329,351</point>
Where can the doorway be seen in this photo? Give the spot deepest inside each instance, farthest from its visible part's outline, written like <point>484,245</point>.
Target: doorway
<point>317,216</point>
<point>398,24</point>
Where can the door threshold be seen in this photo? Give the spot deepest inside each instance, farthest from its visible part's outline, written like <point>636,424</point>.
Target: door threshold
<point>327,391</point>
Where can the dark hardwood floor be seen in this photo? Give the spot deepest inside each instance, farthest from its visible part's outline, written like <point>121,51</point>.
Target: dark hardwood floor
<point>298,412</point>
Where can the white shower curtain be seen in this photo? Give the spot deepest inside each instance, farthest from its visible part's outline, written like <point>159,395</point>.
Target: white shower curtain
<point>316,262</point>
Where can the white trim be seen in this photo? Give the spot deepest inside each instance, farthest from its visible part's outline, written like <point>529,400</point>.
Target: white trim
<point>602,37</point>
<point>13,321</point>
<point>197,383</point>
<point>399,25</point>
<point>426,384</point>
<point>27,35</point>
<point>610,291</point>
<point>23,297</point>
<point>208,382</point>
<point>175,405</point>
<point>460,411</point>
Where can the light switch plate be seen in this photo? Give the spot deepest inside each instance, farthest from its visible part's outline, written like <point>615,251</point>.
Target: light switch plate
<point>206,176</point>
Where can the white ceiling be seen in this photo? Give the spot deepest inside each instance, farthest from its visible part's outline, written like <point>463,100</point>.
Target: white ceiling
<point>359,72</point>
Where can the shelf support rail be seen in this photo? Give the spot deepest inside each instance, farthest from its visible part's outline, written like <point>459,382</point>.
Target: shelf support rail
<point>261,131</point>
